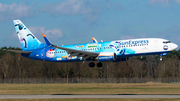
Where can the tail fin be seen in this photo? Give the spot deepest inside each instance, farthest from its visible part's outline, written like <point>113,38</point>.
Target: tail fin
<point>27,40</point>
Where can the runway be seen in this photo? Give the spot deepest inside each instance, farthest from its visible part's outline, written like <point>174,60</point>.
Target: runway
<point>85,96</point>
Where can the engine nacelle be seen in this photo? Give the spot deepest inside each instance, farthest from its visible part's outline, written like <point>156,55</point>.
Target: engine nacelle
<point>121,59</point>
<point>106,56</point>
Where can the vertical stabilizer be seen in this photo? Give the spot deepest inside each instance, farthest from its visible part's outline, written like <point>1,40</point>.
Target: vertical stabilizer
<point>27,40</point>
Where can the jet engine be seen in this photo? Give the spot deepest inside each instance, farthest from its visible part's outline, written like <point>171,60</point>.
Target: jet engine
<point>106,56</point>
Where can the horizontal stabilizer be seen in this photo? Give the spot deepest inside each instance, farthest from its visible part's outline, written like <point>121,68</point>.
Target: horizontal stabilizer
<point>46,39</point>
<point>19,51</point>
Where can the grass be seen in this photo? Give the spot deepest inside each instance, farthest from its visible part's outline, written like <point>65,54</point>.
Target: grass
<point>93,99</point>
<point>92,88</point>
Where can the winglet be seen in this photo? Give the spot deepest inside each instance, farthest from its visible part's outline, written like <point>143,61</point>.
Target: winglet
<point>43,35</point>
<point>46,40</point>
<point>94,40</point>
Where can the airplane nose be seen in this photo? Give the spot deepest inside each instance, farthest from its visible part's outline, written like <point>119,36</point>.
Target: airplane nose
<point>175,46</point>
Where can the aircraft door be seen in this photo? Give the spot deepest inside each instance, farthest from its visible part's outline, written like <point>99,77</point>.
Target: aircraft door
<point>155,43</point>
<point>42,54</point>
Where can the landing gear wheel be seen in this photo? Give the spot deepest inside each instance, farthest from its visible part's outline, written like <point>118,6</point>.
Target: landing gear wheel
<point>91,64</point>
<point>99,64</point>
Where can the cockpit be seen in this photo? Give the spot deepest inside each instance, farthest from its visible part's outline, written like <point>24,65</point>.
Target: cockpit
<point>166,42</point>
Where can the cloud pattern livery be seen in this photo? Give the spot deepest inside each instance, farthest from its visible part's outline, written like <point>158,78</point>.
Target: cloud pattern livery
<point>56,54</point>
<point>28,41</point>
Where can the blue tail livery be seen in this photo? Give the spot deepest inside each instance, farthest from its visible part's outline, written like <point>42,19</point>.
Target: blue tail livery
<point>27,40</point>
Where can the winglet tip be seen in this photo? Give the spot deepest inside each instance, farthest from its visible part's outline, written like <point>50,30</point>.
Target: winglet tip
<point>43,35</point>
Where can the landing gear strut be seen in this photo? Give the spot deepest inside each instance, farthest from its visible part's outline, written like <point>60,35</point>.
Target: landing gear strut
<point>161,58</point>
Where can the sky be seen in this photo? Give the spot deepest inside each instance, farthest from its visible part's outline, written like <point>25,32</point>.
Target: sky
<point>76,21</point>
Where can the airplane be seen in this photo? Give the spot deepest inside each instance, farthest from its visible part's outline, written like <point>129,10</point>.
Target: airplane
<point>115,51</point>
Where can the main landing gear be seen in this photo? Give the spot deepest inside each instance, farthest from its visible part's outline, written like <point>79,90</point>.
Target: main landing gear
<point>92,64</point>
<point>99,64</point>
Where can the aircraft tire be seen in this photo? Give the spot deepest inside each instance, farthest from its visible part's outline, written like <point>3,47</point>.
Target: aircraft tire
<point>91,64</point>
<point>99,64</point>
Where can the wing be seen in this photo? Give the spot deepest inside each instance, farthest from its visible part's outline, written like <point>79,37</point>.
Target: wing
<point>73,52</point>
<point>79,53</point>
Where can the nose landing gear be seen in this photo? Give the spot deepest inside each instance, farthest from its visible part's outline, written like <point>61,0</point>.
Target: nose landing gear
<point>160,58</point>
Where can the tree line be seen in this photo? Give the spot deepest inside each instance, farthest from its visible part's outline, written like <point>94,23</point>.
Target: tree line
<point>13,65</point>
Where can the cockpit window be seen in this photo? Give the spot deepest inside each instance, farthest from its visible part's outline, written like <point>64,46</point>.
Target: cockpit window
<point>166,42</point>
